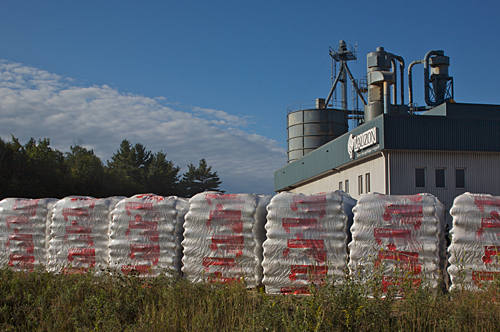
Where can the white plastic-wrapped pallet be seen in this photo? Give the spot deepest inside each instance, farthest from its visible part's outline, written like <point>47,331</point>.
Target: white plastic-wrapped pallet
<point>145,234</point>
<point>307,237</point>
<point>79,234</point>
<point>475,246</point>
<point>23,225</point>
<point>399,233</point>
<point>223,237</point>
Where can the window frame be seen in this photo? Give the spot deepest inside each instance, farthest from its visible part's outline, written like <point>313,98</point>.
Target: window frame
<point>347,186</point>
<point>463,170</point>
<point>416,178</point>
<point>436,169</point>
<point>360,185</point>
<point>367,183</point>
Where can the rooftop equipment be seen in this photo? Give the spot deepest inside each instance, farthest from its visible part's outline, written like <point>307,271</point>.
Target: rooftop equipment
<point>439,86</point>
<point>381,75</point>
<point>309,125</point>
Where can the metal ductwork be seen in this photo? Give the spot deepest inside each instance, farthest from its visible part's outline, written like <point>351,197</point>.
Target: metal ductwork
<point>438,86</point>
<point>382,73</point>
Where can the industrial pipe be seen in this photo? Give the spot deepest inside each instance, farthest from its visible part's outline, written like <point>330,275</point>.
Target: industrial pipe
<point>410,81</point>
<point>402,74</point>
<point>387,98</point>
<point>395,86</point>
<point>426,74</point>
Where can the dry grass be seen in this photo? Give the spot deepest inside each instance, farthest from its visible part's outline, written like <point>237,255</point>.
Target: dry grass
<point>40,301</point>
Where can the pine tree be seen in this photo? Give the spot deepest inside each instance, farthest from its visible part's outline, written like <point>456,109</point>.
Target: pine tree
<point>199,179</point>
<point>86,171</point>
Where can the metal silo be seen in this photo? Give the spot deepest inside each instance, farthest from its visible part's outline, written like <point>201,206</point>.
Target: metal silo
<point>310,125</point>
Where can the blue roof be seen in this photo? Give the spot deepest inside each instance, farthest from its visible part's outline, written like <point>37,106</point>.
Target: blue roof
<point>447,127</point>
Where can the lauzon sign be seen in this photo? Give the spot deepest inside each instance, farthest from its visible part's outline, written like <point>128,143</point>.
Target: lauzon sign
<point>362,141</point>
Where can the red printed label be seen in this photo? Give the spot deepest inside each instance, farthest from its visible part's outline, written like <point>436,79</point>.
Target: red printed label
<point>315,249</point>
<point>25,242</point>
<point>86,256</point>
<point>227,218</point>
<point>478,276</point>
<point>229,198</point>
<point>306,243</point>
<point>493,222</point>
<point>299,223</point>
<point>490,252</point>
<point>380,233</point>
<point>309,204</point>
<point>217,261</point>
<point>405,214</point>
<point>481,202</point>
<point>78,212</point>
<point>228,243</point>
<point>150,196</point>
<point>21,261</point>
<point>310,273</point>
<point>26,206</point>
<point>17,221</point>
<point>130,206</point>
<point>147,252</point>
<point>409,260</point>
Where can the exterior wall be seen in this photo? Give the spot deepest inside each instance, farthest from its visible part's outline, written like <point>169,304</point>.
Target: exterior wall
<point>376,168</point>
<point>482,173</point>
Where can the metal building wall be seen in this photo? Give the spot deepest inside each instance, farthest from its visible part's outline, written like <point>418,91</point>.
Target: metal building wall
<point>482,173</point>
<point>376,168</point>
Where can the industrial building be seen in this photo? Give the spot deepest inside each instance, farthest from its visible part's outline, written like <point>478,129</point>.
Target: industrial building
<point>444,148</point>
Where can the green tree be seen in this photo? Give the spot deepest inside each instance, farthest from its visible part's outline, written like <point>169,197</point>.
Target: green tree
<point>163,176</point>
<point>86,171</point>
<point>199,179</point>
<point>44,173</point>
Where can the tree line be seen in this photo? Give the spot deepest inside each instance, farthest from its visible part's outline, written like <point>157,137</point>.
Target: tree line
<point>36,170</point>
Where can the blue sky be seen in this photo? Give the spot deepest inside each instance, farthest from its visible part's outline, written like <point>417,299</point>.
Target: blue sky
<point>213,79</point>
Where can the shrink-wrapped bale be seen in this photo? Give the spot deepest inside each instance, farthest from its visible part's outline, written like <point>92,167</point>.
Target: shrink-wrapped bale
<point>146,233</point>
<point>307,238</point>
<point>223,237</point>
<point>475,246</point>
<point>403,236</point>
<point>79,234</point>
<point>23,224</point>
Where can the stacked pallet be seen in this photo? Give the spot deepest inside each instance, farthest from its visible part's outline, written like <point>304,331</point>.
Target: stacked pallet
<point>475,246</point>
<point>146,234</point>
<point>23,224</point>
<point>223,237</point>
<point>307,237</point>
<point>401,235</point>
<point>79,234</point>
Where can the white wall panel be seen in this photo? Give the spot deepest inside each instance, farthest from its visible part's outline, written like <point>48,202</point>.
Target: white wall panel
<point>376,168</point>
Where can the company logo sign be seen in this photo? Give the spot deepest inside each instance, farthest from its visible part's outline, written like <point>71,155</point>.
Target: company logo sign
<point>362,141</point>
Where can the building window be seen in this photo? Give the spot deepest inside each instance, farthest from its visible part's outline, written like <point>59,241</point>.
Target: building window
<point>440,183</point>
<point>347,186</point>
<point>460,178</point>
<point>340,185</point>
<point>360,184</point>
<point>420,177</point>
<point>367,182</point>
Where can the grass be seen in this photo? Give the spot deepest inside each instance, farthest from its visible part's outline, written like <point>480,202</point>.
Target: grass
<point>40,301</point>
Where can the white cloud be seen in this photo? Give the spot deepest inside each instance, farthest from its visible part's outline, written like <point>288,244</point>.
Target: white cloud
<point>35,103</point>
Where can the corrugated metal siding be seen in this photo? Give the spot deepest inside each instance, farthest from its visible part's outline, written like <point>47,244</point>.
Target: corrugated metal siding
<point>441,133</point>
<point>376,168</point>
<point>482,173</point>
